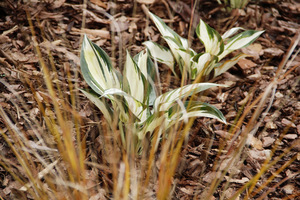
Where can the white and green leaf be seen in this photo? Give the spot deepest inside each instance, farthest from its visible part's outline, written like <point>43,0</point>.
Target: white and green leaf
<point>227,64</point>
<point>238,3</point>
<point>179,46</point>
<point>231,32</point>
<point>168,32</point>
<point>134,77</point>
<point>148,70</point>
<point>210,38</point>
<point>96,67</point>
<point>155,121</point>
<point>182,55</point>
<point>195,109</point>
<point>240,40</point>
<point>135,106</point>
<point>165,101</point>
<point>200,62</point>
<point>101,104</point>
<point>160,54</point>
<point>141,60</point>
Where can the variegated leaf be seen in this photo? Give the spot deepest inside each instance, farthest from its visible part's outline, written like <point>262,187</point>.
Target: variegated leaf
<point>164,101</point>
<point>135,106</point>
<point>168,32</point>
<point>200,62</point>
<point>141,60</point>
<point>227,64</point>
<point>240,40</point>
<point>238,3</point>
<point>231,32</point>
<point>178,45</point>
<point>160,54</point>
<point>155,121</point>
<point>134,78</point>
<point>182,55</point>
<point>210,38</point>
<point>148,70</point>
<point>196,109</point>
<point>101,104</point>
<point>96,67</point>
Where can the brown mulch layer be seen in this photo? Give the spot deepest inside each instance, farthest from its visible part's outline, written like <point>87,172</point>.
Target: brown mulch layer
<point>58,29</point>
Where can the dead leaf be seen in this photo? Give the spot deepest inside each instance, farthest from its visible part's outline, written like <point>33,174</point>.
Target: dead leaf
<point>66,54</point>
<point>120,24</point>
<point>231,114</point>
<point>222,96</point>
<point>289,27</point>
<point>279,95</point>
<point>185,11</point>
<point>92,17</point>
<point>11,186</point>
<point>18,56</point>
<point>41,174</point>
<point>132,27</point>
<point>254,77</point>
<point>13,29</point>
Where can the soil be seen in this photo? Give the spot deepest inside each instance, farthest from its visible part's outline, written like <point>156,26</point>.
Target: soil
<point>58,29</point>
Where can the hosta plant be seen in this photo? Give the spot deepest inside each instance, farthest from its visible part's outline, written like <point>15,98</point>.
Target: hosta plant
<point>132,96</point>
<point>235,3</point>
<point>205,64</point>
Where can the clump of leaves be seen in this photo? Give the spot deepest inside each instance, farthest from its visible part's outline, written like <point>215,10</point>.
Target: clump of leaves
<point>233,4</point>
<point>200,65</point>
<point>132,96</point>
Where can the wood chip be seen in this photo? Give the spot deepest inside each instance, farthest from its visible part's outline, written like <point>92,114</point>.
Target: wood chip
<point>246,64</point>
<point>273,52</point>
<point>94,32</point>
<point>287,122</point>
<point>259,155</point>
<point>290,136</point>
<point>268,141</point>
<point>146,1</point>
<point>255,50</point>
<point>253,141</point>
<point>288,189</point>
